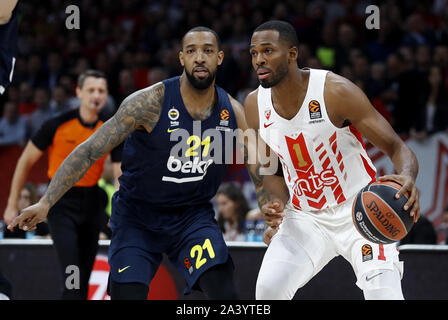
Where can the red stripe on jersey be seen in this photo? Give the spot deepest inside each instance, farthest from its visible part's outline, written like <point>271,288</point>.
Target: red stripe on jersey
<point>358,135</point>
<point>326,164</point>
<point>339,157</point>
<point>371,172</point>
<point>381,255</point>
<point>341,198</point>
<point>332,138</point>
<point>296,202</point>
<point>334,147</point>
<point>337,192</point>
<point>320,146</point>
<point>322,155</point>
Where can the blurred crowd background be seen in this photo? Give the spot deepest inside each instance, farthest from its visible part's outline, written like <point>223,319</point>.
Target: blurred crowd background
<point>402,66</point>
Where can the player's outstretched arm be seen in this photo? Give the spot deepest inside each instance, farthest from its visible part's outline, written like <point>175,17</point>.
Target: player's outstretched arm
<point>141,110</point>
<point>346,103</point>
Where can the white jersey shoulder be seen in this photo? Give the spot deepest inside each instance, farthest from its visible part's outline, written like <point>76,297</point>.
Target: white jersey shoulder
<point>323,165</point>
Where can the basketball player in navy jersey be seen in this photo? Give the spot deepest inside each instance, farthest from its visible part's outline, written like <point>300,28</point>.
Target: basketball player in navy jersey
<point>8,49</point>
<point>163,204</point>
<point>8,42</point>
<point>313,120</point>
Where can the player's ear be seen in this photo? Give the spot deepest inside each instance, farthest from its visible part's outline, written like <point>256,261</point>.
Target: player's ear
<point>293,53</point>
<point>220,57</point>
<point>181,58</point>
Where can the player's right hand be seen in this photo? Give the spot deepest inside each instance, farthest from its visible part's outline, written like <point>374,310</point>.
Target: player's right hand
<point>10,213</point>
<point>30,217</point>
<point>273,212</point>
<point>268,234</point>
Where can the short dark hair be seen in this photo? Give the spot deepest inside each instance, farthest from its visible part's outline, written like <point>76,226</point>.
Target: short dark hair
<point>203,29</point>
<point>90,73</point>
<point>286,31</point>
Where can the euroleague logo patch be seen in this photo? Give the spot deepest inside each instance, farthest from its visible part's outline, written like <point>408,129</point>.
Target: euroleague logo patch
<point>366,252</point>
<point>224,114</point>
<point>314,109</point>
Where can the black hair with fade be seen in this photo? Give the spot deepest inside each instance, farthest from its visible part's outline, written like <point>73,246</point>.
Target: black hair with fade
<point>203,29</point>
<point>286,31</point>
<point>90,73</point>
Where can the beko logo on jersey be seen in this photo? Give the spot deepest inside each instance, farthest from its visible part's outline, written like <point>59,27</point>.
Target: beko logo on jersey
<point>190,166</point>
<point>195,166</point>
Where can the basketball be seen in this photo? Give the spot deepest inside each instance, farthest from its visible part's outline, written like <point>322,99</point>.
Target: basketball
<point>379,216</point>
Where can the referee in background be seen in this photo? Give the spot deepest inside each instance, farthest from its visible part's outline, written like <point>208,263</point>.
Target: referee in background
<point>77,219</point>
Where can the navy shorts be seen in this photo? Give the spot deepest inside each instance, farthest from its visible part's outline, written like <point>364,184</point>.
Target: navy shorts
<point>190,237</point>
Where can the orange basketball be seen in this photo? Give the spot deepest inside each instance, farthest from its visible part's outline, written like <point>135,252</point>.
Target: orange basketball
<point>379,216</point>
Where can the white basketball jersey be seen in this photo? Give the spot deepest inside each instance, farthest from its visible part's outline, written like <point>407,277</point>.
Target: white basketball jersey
<point>322,165</point>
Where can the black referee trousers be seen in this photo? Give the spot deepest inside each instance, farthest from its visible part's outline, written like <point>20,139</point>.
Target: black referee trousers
<point>75,222</point>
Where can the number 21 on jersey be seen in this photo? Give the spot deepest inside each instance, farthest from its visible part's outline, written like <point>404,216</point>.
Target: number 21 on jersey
<point>198,252</point>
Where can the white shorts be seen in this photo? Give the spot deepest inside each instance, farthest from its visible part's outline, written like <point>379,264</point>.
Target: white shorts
<point>328,233</point>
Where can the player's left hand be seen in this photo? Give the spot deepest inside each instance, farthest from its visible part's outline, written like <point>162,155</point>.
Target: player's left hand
<point>30,217</point>
<point>268,234</point>
<point>273,212</point>
<point>407,186</point>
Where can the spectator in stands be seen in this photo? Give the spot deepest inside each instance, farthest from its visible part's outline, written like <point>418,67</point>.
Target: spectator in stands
<point>27,105</point>
<point>156,75</point>
<point>58,102</point>
<point>405,92</point>
<point>346,41</point>
<point>126,85</point>
<point>12,126</point>
<point>232,211</point>
<point>376,87</point>
<point>55,69</point>
<point>326,49</point>
<point>37,77</point>
<point>416,33</point>
<point>433,116</point>
<point>43,111</point>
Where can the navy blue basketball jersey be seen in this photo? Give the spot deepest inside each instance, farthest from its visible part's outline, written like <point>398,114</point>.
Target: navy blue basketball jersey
<point>8,49</point>
<point>182,161</point>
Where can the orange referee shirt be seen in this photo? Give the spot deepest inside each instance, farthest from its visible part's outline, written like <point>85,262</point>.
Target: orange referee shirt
<point>64,133</point>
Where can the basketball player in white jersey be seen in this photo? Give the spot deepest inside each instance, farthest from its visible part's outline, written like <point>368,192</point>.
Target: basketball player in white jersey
<point>313,121</point>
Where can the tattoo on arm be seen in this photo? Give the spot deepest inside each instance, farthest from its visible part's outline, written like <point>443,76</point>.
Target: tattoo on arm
<point>263,197</point>
<point>139,110</point>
